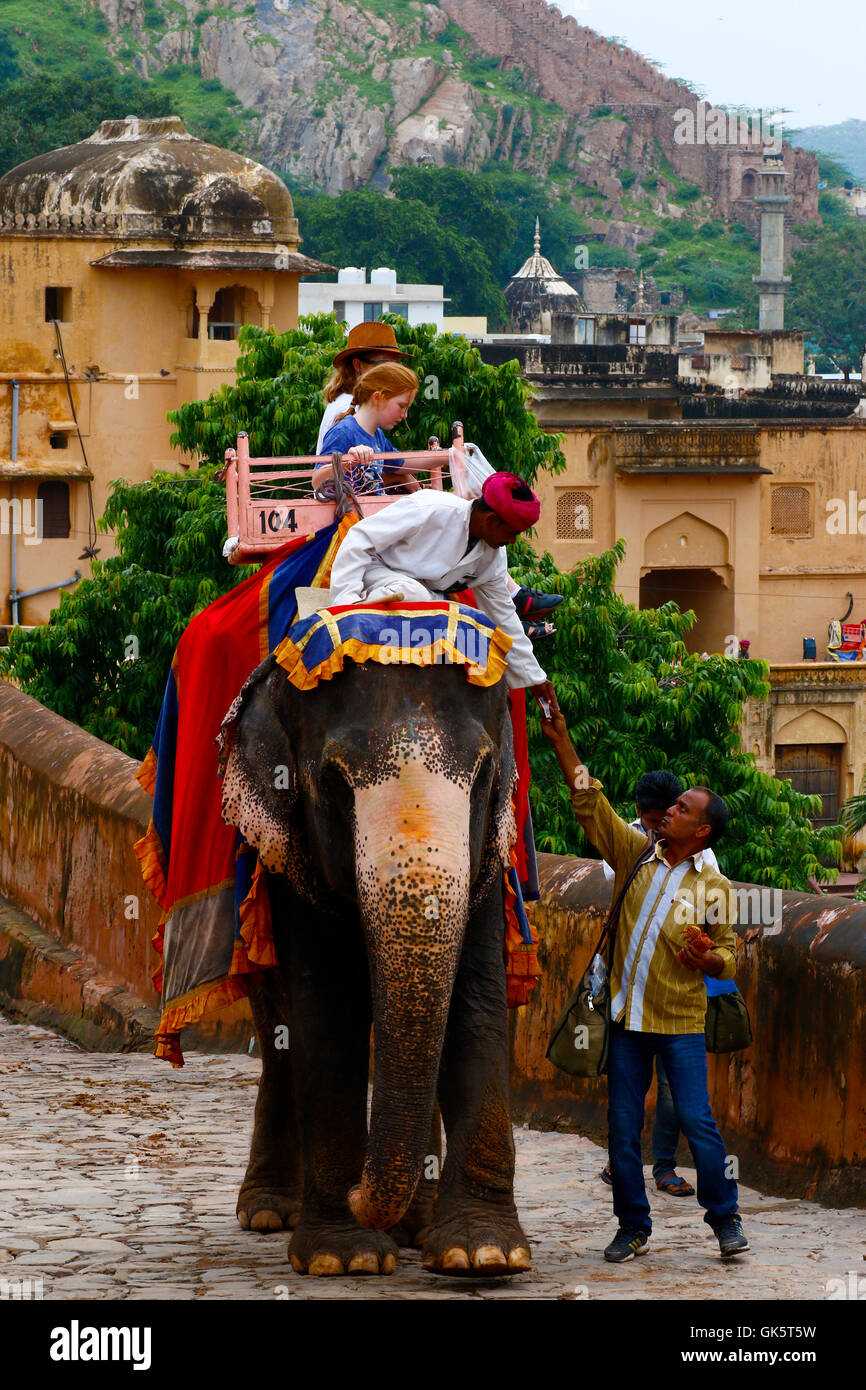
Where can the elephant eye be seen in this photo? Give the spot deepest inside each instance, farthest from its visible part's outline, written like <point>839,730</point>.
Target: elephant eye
<point>334,782</point>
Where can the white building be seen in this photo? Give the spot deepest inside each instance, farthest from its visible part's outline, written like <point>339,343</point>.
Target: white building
<point>354,300</point>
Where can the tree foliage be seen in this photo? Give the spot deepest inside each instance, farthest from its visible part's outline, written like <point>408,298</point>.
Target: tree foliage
<point>362,227</point>
<point>47,113</point>
<point>634,700</point>
<point>827,297</point>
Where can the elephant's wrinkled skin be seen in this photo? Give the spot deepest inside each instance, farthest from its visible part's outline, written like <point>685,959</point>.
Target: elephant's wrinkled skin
<point>381,802</point>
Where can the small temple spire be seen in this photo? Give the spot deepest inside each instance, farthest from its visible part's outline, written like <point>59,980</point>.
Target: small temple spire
<point>536,244</point>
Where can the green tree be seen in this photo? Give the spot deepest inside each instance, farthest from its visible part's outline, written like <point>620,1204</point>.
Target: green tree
<point>41,114</point>
<point>363,227</point>
<point>103,657</point>
<point>634,699</point>
<point>827,297</point>
<point>854,820</point>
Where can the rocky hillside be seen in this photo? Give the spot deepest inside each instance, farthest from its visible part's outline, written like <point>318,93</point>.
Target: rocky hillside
<point>338,91</point>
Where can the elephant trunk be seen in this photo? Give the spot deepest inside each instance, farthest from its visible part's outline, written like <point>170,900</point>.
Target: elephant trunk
<point>413,868</point>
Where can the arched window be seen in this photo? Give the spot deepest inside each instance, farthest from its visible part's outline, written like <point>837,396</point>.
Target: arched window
<point>228,312</point>
<point>54,500</point>
<point>790,511</point>
<point>574,515</point>
<point>749,184</point>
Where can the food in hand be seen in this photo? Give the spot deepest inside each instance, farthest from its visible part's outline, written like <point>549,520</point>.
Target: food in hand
<point>696,939</point>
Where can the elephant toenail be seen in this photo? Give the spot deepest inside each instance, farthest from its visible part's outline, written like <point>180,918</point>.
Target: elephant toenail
<point>389,1264</point>
<point>519,1258</point>
<point>455,1259</point>
<point>364,1264</point>
<point>489,1257</point>
<point>297,1265</point>
<point>325,1264</point>
<point>266,1221</point>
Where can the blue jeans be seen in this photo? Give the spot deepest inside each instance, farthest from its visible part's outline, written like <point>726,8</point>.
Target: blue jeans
<point>684,1056</point>
<point>666,1126</point>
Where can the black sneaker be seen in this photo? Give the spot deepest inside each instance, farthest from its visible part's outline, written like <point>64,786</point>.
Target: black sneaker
<point>731,1238</point>
<point>606,1175</point>
<point>625,1245</point>
<point>532,603</point>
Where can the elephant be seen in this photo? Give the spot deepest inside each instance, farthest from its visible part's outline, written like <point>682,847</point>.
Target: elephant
<point>381,805</point>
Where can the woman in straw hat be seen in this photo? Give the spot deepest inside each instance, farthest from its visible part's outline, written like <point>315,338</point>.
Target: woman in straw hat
<point>368,345</point>
<point>371,344</point>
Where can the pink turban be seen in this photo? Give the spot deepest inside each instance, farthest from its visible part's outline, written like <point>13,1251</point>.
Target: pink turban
<point>512,500</point>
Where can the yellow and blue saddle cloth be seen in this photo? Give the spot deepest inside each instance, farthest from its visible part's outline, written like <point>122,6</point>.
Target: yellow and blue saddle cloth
<point>398,633</point>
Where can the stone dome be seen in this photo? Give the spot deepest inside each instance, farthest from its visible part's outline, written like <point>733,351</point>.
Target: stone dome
<point>142,178</point>
<point>536,289</point>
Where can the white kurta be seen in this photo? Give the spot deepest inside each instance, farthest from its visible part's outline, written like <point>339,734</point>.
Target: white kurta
<point>425,536</point>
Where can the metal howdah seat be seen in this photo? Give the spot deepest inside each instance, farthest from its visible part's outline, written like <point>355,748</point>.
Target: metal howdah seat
<point>270,500</point>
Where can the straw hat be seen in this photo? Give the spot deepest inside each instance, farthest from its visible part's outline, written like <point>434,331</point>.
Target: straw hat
<point>370,337</point>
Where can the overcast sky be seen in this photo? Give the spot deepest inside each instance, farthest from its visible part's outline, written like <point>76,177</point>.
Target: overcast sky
<point>768,55</point>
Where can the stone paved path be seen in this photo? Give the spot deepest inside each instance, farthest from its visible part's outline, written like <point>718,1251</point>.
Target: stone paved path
<point>118,1178</point>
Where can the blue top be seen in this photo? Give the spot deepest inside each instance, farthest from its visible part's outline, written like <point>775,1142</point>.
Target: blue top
<point>341,437</point>
<point>719,986</point>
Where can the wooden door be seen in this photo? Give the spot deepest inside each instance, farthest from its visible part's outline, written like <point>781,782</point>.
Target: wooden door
<point>816,770</point>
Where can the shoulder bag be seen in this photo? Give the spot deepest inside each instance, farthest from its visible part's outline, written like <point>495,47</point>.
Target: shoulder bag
<point>580,1041</point>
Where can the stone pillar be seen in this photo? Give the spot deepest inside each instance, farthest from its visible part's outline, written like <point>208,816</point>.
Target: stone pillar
<point>266,299</point>
<point>204,298</point>
<point>771,282</point>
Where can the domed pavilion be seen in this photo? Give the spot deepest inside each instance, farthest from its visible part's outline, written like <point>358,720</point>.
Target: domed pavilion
<point>130,261</point>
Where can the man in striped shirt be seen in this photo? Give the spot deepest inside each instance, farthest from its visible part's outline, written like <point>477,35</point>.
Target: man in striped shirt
<point>658,999</point>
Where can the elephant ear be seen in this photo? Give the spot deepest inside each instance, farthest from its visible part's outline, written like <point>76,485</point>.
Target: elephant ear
<point>503,824</point>
<point>257,765</point>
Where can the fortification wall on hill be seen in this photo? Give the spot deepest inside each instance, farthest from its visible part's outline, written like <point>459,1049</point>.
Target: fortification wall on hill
<point>580,71</point>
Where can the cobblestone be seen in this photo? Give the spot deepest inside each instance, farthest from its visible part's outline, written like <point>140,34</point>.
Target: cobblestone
<point>118,1180</point>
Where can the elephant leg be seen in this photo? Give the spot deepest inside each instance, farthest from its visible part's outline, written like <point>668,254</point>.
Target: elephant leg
<point>331,1018</point>
<point>476,1230</point>
<point>270,1195</point>
<point>418,1217</point>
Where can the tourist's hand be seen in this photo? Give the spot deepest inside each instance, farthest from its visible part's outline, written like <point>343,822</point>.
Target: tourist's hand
<point>359,455</point>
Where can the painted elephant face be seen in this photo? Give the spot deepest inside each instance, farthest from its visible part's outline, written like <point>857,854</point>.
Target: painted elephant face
<point>321,779</point>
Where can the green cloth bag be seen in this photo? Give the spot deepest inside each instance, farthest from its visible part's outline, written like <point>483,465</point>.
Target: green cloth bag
<point>728,1027</point>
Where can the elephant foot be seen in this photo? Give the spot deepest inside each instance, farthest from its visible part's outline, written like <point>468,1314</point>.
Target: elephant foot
<point>480,1244</point>
<point>266,1206</point>
<point>341,1247</point>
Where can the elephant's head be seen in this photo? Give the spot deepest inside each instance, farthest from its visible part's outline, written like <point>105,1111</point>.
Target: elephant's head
<point>390,786</point>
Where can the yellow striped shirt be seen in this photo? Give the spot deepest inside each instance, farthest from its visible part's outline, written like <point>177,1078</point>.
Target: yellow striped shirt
<point>651,992</point>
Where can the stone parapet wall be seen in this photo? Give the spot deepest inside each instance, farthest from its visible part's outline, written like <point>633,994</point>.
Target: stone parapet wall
<point>792,1107</point>
<point>76,932</point>
<point>71,811</point>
